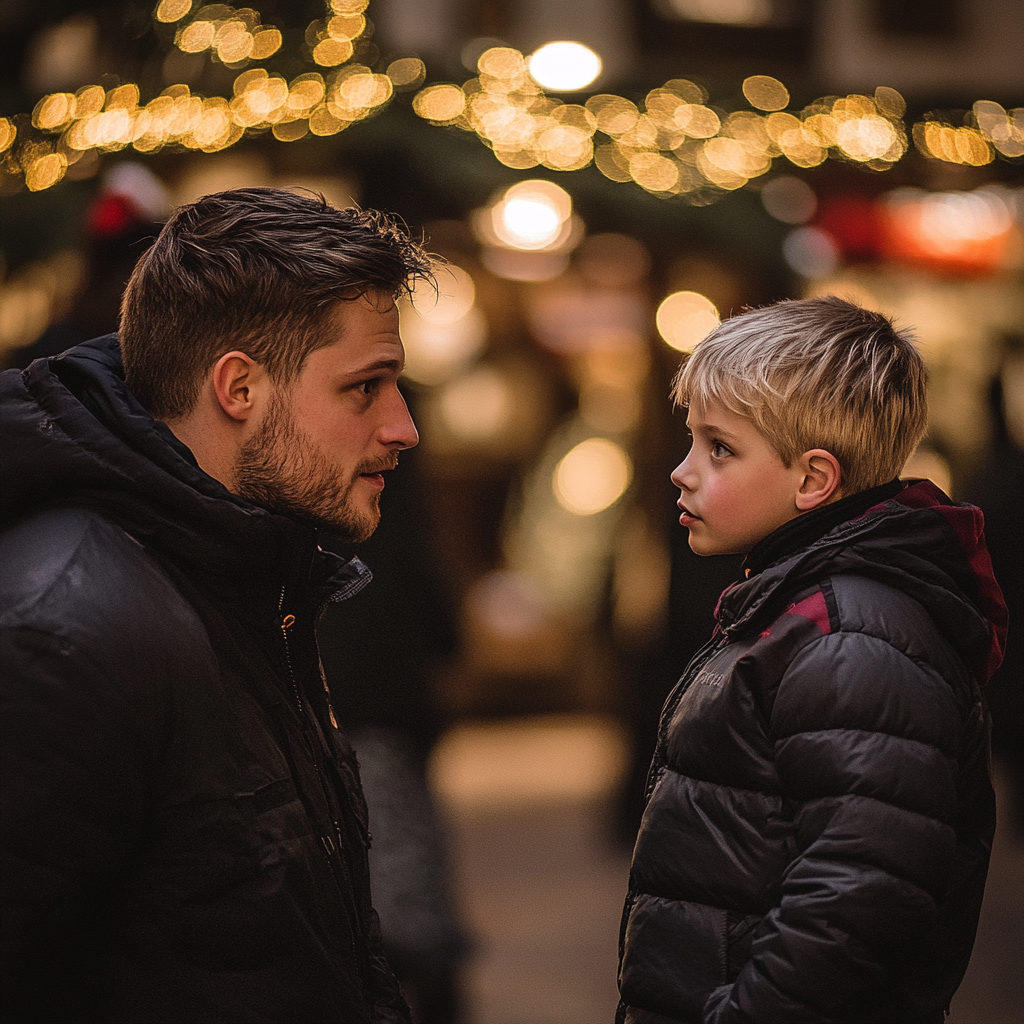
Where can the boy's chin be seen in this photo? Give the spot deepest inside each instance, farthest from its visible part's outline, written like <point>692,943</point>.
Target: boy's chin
<point>705,547</point>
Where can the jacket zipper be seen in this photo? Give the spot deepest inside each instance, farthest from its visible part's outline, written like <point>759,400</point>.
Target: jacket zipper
<point>287,621</point>
<point>699,660</point>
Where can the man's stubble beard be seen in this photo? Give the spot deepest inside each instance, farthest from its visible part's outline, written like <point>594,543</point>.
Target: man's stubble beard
<point>280,469</point>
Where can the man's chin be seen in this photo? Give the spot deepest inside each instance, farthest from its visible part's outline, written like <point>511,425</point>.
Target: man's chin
<point>347,525</point>
<point>349,532</point>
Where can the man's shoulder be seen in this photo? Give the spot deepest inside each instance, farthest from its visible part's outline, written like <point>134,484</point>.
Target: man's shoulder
<point>74,572</point>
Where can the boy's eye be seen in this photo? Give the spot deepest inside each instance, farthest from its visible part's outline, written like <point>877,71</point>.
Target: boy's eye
<point>719,450</point>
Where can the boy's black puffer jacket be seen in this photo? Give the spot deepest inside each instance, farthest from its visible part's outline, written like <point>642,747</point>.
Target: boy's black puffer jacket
<point>820,814</point>
<point>184,834</point>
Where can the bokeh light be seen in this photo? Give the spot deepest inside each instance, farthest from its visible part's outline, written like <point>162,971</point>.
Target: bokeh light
<point>811,252</point>
<point>789,199</point>
<point>686,318</point>
<point>765,92</point>
<point>592,476</point>
<point>532,215</point>
<point>564,66</point>
<point>442,330</point>
<point>477,407</point>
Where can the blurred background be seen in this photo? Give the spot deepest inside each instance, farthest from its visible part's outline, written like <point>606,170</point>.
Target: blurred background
<point>605,180</point>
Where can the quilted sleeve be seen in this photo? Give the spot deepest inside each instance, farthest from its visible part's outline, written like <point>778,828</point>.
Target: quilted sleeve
<point>72,806</point>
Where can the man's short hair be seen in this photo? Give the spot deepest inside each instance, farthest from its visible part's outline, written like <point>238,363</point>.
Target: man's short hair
<point>260,270</point>
<point>817,373</point>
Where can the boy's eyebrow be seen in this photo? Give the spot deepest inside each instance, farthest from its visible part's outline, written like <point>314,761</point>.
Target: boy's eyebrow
<point>711,428</point>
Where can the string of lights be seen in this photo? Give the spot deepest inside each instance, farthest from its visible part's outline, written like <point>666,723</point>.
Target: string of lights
<point>675,142</point>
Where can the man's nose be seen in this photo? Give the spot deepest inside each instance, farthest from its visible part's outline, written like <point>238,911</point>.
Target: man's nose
<point>400,431</point>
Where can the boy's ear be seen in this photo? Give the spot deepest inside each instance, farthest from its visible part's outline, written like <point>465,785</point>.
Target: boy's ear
<point>236,377</point>
<point>820,481</point>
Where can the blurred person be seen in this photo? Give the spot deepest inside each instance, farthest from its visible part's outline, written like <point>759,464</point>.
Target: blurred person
<point>184,831</point>
<point>121,221</point>
<point>998,490</point>
<point>819,811</point>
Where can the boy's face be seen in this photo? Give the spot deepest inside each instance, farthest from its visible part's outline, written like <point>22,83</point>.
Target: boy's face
<point>735,489</point>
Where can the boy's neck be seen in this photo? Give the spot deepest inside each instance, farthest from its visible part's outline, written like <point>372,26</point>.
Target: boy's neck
<point>809,527</point>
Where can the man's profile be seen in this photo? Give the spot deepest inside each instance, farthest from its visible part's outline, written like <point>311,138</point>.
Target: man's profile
<point>184,833</point>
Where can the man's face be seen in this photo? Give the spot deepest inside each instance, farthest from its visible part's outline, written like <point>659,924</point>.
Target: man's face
<point>328,434</point>
<point>734,488</point>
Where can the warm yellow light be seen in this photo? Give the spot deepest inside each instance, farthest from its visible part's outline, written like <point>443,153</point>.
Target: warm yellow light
<point>765,92</point>
<point>197,37</point>
<point>501,62</point>
<point>407,71</point>
<point>564,66</point>
<point>169,11</point>
<point>531,215</point>
<point>323,122</point>
<point>89,100</point>
<point>442,330</point>
<point>124,97</point>
<point>802,147</point>
<point>736,156</point>
<point>866,138</point>
<point>356,91</point>
<point>565,148</point>
<point>686,318</point>
<point>265,43</point>
<point>346,26</point>
<point>452,300</point>
<point>305,93</point>
<point>349,6</point>
<point>592,476</point>
<point>233,42</point>
<point>723,12</point>
<point>54,110</point>
<point>45,171</point>
<point>698,121</point>
<point>654,172</point>
<point>478,407</point>
<point>8,133</point>
<point>890,102</point>
<point>330,53</point>
<point>614,114</point>
<point>440,103</point>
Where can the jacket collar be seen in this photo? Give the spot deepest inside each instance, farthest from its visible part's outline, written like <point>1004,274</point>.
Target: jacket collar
<point>78,436</point>
<point>917,541</point>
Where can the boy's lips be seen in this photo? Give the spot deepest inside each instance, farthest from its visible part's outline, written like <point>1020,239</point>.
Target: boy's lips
<point>687,517</point>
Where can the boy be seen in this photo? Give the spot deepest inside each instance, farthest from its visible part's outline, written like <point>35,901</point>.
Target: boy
<point>819,811</point>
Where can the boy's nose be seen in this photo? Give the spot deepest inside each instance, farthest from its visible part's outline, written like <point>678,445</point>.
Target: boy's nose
<point>679,474</point>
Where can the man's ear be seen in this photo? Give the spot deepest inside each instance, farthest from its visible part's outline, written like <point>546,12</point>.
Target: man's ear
<point>235,378</point>
<point>822,476</point>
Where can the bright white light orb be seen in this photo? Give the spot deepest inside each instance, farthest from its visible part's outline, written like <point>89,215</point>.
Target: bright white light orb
<point>564,66</point>
<point>592,476</point>
<point>532,214</point>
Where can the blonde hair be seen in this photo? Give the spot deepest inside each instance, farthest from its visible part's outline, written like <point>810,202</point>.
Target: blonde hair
<point>817,373</point>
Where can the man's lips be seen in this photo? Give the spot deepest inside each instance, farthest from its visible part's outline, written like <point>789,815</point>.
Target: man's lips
<point>374,474</point>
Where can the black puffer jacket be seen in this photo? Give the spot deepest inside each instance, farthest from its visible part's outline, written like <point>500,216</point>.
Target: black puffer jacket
<point>184,835</point>
<point>819,816</point>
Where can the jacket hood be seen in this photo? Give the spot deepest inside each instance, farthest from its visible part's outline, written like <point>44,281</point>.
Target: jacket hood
<point>920,542</point>
<point>74,434</point>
